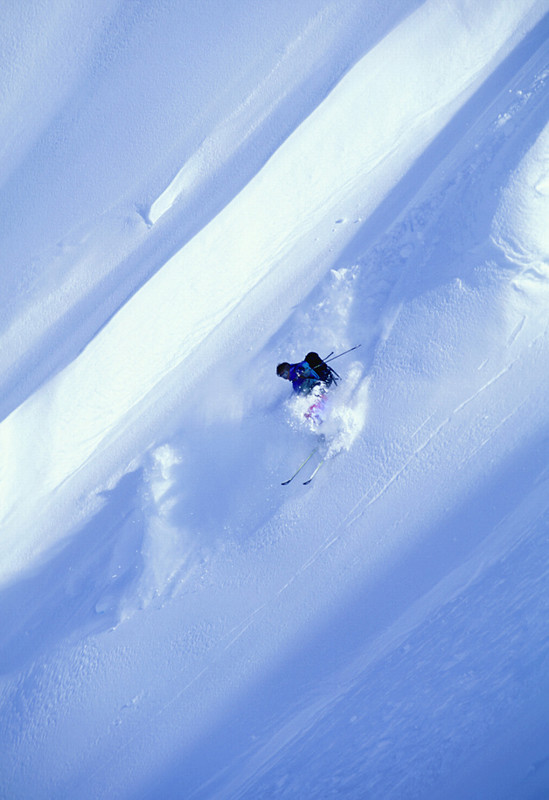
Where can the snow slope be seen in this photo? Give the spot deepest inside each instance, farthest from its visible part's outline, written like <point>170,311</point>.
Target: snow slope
<point>177,624</point>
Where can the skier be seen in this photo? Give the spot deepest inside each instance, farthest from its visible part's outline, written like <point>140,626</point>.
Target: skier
<point>307,374</point>
<point>302,376</point>
<point>312,377</point>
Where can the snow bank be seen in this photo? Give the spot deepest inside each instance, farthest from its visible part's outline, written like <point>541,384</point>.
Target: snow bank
<point>519,228</point>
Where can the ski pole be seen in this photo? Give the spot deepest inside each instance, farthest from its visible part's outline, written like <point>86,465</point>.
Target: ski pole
<point>326,360</point>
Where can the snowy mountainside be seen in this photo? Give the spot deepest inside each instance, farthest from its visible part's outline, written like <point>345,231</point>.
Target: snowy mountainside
<point>179,624</point>
<point>146,92</point>
<point>181,305</point>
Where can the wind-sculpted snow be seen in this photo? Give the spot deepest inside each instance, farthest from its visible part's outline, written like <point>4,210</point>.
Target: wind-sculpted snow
<point>146,97</point>
<point>177,623</point>
<point>519,228</point>
<point>342,160</point>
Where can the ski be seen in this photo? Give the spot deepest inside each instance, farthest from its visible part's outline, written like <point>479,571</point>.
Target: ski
<point>298,470</point>
<point>320,463</point>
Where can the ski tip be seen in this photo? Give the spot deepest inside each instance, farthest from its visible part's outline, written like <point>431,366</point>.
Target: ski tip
<point>285,483</point>
<point>306,483</point>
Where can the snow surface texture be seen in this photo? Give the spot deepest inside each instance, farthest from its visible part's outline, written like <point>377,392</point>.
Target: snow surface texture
<point>191,193</point>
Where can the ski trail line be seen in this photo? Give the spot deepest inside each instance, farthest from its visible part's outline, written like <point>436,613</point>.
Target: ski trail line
<point>370,500</point>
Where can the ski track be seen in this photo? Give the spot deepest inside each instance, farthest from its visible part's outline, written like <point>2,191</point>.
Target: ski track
<point>515,333</point>
<point>369,498</point>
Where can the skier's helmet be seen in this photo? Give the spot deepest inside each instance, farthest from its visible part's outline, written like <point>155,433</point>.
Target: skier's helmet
<point>283,370</point>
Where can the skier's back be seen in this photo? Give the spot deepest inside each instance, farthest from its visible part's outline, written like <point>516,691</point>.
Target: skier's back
<point>326,374</point>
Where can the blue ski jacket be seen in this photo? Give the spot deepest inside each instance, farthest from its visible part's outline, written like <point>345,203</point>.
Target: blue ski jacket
<point>303,378</point>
